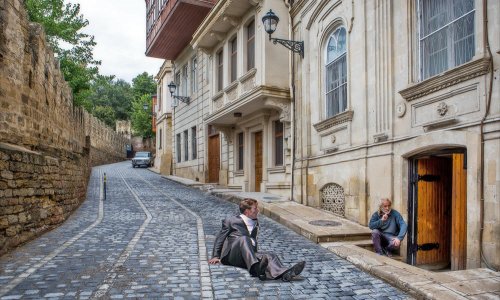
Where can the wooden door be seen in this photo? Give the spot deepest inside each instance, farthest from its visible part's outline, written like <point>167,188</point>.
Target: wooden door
<point>258,160</point>
<point>459,213</point>
<point>213,158</point>
<point>433,211</point>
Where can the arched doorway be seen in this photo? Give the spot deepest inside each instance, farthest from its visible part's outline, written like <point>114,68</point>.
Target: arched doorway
<point>437,209</point>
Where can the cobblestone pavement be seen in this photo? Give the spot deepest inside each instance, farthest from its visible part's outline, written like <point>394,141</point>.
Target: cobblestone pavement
<point>150,239</point>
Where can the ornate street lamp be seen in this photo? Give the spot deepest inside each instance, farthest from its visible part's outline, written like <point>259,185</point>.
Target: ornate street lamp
<point>172,87</point>
<point>270,21</point>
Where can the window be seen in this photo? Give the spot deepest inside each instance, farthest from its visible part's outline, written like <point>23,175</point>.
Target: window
<point>194,151</point>
<point>159,139</point>
<point>186,143</point>
<point>234,57</point>
<point>251,45</point>
<point>220,70</point>
<point>278,143</point>
<point>184,83</point>
<point>336,73</point>
<point>178,147</point>
<point>446,34</point>
<point>240,150</point>
<point>194,78</point>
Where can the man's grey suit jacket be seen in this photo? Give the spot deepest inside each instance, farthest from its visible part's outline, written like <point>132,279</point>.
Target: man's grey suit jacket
<point>231,247</point>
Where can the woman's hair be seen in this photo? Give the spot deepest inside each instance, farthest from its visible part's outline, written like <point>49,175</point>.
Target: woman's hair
<point>247,203</point>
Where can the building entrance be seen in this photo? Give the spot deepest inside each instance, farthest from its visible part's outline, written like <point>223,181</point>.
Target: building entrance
<point>437,210</point>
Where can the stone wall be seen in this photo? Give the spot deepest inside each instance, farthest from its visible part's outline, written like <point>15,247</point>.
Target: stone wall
<point>47,146</point>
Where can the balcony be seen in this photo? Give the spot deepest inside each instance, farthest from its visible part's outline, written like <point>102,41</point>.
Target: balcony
<point>171,27</point>
<point>245,98</point>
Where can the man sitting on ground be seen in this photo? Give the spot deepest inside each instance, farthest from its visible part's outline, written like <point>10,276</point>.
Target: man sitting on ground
<point>236,245</point>
<point>388,228</point>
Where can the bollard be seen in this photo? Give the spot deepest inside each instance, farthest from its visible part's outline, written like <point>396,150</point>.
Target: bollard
<point>104,186</point>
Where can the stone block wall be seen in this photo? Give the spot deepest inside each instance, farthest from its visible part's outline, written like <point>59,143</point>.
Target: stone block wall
<point>47,146</point>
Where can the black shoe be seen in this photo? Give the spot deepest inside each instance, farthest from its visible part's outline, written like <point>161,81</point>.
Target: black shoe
<point>387,252</point>
<point>293,271</point>
<point>261,268</point>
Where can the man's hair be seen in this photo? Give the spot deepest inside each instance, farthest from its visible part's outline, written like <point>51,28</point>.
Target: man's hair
<point>384,200</point>
<point>247,203</point>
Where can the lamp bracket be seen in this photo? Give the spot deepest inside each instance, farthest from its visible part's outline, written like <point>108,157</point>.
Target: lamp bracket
<point>182,98</point>
<point>297,47</point>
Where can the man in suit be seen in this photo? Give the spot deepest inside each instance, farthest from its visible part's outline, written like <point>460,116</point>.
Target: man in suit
<point>236,245</point>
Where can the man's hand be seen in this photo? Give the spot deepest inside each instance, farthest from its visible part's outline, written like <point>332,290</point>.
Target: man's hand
<point>385,217</point>
<point>214,260</point>
<point>396,242</point>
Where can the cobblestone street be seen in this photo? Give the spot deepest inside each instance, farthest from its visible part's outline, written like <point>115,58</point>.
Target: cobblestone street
<point>151,238</point>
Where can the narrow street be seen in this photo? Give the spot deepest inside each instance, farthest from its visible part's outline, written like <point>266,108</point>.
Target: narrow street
<point>151,238</point>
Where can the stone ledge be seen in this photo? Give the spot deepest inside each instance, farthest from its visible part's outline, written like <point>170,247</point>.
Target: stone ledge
<point>451,77</point>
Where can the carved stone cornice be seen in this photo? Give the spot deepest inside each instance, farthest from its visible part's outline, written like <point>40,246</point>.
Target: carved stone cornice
<point>344,117</point>
<point>451,77</point>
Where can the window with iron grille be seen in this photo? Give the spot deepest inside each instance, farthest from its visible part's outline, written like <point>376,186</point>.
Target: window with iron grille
<point>278,143</point>
<point>178,147</point>
<point>446,36</point>
<point>251,45</point>
<point>194,150</point>
<point>241,144</point>
<point>336,73</point>
<point>234,59</point>
<point>333,199</point>
<point>186,145</point>
<point>220,70</point>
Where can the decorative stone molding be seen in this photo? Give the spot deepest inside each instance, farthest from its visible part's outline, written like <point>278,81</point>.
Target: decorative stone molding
<point>401,109</point>
<point>218,35</point>
<point>451,77</point>
<point>231,91</point>
<point>442,108</point>
<point>234,21</point>
<point>248,80</point>
<point>217,101</point>
<point>282,106</point>
<point>335,120</point>
<point>227,132</point>
<point>380,137</point>
<point>439,123</point>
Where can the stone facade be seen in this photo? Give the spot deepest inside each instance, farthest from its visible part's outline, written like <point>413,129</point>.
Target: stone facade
<point>47,146</point>
<point>393,118</point>
<point>163,111</point>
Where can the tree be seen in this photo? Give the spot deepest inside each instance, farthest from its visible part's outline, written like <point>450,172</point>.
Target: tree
<point>106,114</point>
<point>62,24</point>
<point>141,118</point>
<point>106,91</point>
<point>143,84</point>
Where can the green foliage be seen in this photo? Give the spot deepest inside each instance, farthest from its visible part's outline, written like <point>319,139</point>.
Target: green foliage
<point>143,84</point>
<point>106,114</point>
<point>141,119</point>
<point>106,91</point>
<point>62,24</point>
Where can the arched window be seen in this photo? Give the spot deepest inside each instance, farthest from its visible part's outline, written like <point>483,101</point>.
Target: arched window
<point>336,73</point>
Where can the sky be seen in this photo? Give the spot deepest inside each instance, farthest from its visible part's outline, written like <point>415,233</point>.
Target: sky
<point>119,29</point>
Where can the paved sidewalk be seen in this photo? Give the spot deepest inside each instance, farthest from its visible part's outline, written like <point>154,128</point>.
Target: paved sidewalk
<point>348,240</point>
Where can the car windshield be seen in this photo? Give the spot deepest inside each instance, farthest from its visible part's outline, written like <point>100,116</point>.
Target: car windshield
<point>142,154</point>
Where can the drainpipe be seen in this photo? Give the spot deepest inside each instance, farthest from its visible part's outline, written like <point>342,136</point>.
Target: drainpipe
<point>488,102</point>
<point>291,76</point>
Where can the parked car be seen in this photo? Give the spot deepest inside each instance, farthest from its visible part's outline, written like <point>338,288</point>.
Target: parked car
<point>142,159</point>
